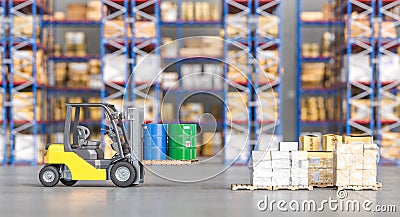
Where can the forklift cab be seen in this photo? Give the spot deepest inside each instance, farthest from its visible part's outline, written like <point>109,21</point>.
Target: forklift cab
<point>81,143</point>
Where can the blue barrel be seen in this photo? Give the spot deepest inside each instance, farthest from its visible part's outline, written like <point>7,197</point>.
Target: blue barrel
<point>155,142</point>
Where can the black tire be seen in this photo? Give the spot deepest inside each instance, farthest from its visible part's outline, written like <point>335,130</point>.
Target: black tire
<point>119,174</point>
<point>49,176</point>
<point>68,182</point>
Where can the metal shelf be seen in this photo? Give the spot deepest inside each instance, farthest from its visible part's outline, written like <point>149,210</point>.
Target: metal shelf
<point>265,42</point>
<point>334,93</point>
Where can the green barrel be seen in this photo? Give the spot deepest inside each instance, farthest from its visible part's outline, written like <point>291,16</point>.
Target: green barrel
<point>182,141</point>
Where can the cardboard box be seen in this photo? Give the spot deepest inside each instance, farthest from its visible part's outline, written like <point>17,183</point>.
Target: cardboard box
<point>76,11</point>
<point>298,172</point>
<point>358,139</point>
<point>280,177</point>
<point>369,177</point>
<point>262,172</point>
<point>299,163</point>
<point>320,159</point>
<point>309,143</point>
<point>343,161</point>
<point>288,146</point>
<point>329,141</point>
<point>370,159</point>
<point>298,155</point>
<point>299,181</point>
<point>280,155</point>
<point>281,163</point>
<point>356,177</point>
<point>261,181</point>
<point>320,176</point>
<point>342,177</point>
<point>262,164</point>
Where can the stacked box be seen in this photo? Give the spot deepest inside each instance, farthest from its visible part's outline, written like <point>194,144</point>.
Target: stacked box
<point>261,168</point>
<point>329,141</point>
<point>237,106</point>
<point>78,76</point>
<point>23,65</point>
<point>76,11</point>
<point>356,164</point>
<point>93,10</point>
<point>75,44</point>
<point>212,142</point>
<point>191,112</point>
<point>280,168</point>
<point>299,168</point>
<point>267,110</point>
<point>309,143</point>
<point>320,168</point>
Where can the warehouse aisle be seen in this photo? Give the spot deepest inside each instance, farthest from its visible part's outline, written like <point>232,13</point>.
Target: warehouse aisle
<point>22,194</point>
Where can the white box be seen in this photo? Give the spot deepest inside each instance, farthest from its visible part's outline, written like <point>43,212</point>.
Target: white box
<point>299,181</point>
<point>281,163</point>
<point>280,181</point>
<point>299,163</point>
<point>288,146</point>
<point>261,172</point>
<point>281,172</point>
<point>261,181</point>
<point>280,155</point>
<point>298,155</point>
<point>262,164</point>
<point>261,156</point>
<point>299,172</point>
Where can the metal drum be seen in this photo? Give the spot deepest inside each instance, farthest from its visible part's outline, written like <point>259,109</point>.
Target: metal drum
<point>155,142</point>
<point>182,141</point>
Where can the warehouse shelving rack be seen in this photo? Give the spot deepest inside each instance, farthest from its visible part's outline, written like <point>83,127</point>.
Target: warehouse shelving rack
<point>116,45</point>
<point>17,41</point>
<point>271,83</point>
<point>361,46</point>
<point>3,87</point>
<point>239,9</point>
<point>179,93</point>
<point>336,91</point>
<point>387,89</point>
<point>148,10</point>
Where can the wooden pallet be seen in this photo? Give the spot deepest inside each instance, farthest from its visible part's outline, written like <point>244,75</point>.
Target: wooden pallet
<point>325,185</point>
<point>294,188</point>
<point>169,162</point>
<point>250,187</point>
<point>361,187</point>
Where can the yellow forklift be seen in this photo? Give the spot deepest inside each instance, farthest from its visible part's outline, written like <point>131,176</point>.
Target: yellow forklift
<point>79,158</point>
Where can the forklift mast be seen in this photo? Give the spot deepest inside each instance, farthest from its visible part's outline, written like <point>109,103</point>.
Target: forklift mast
<point>135,117</point>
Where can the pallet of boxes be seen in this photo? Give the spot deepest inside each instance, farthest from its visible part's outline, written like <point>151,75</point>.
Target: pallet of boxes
<point>320,159</point>
<point>356,164</point>
<point>286,168</point>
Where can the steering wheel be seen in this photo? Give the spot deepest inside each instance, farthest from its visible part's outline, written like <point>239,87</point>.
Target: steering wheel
<point>83,132</point>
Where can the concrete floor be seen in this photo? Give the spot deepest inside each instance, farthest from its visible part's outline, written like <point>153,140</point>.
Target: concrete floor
<point>21,194</point>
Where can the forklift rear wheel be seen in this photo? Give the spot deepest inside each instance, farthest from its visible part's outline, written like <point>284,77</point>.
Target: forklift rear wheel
<point>49,176</point>
<point>68,182</point>
<point>123,174</point>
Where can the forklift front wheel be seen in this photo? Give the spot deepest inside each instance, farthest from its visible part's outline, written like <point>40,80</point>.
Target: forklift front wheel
<point>49,176</point>
<point>123,174</point>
